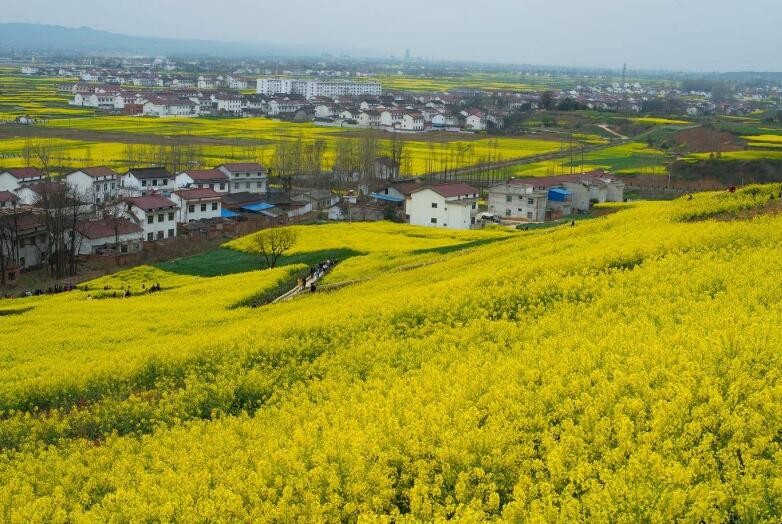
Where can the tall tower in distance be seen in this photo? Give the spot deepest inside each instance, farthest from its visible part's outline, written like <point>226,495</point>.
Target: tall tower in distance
<point>407,54</point>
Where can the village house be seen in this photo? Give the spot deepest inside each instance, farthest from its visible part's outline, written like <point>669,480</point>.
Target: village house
<point>391,118</point>
<point>368,118</point>
<point>145,180</point>
<point>452,206</point>
<point>156,214</point>
<point>196,204</point>
<point>320,199</point>
<point>245,176</point>
<point>108,236</point>
<point>412,121</point>
<point>169,106</point>
<point>203,179</point>
<point>31,236</point>
<point>13,179</point>
<point>475,120</point>
<point>8,200</point>
<point>95,184</point>
<point>565,194</point>
<point>518,201</point>
<point>227,103</point>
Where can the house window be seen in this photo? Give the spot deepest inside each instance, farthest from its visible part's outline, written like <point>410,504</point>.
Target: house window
<point>113,185</point>
<point>170,233</point>
<point>214,206</point>
<point>161,217</point>
<point>143,183</point>
<point>259,185</point>
<point>164,182</point>
<point>530,201</point>
<point>222,186</point>
<point>150,237</point>
<point>203,207</point>
<point>434,205</point>
<point>236,185</point>
<point>247,185</point>
<point>508,198</point>
<point>154,182</point>
<point>529,214</point>
<point>150,219</point>
<point>507,212</point>
<point>433,220</point>
<point>159,235</point>
<point>171,216</point>
<point>191,208</point>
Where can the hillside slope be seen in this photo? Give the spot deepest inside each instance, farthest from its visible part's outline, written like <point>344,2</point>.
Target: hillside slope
<point>626,369</point>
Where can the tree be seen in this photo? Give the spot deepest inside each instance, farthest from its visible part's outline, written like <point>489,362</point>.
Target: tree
<point>547,99</point>
<point>272,243</point>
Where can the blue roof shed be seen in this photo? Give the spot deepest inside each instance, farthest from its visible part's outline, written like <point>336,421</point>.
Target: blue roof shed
<point>558,194</point>
<point>256,207</point>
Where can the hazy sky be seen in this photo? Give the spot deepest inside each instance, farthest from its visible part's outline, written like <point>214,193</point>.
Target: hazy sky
<point>700,35</point>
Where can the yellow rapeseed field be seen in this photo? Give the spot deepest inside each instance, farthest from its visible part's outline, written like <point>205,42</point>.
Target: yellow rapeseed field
<point>625,369</point>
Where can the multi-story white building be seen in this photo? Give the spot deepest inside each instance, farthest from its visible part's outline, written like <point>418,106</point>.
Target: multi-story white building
<point>196,204</point>
<point>156,214</point>
<point>145,180</point>
<point>203,179</point>
<point>247,177</point>
<point>314,88</point>
<point>96,184</point>
<point>452,206</point>
<point>227,102</point>
<point>412,121</point>
<point>13,179</point>
<point>518,201</point>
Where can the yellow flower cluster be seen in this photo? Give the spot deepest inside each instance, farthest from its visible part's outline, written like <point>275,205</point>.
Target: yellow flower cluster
<point>626,369</point>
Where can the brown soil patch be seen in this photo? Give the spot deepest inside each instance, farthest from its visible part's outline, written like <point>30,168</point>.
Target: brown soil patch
<point>704,140</point>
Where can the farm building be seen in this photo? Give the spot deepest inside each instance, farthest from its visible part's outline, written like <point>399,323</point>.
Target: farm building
<point>96,184</point>
<point>196,204</point>
<point>245,177</point>
<point>156,214</point>
<point>145,180</point>
<point>109,236</point>
<point>203,179</point>
<point>451,206</point>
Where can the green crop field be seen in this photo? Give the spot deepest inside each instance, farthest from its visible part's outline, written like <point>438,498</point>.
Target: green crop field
<point>33,96</point>
<point>628,158</point>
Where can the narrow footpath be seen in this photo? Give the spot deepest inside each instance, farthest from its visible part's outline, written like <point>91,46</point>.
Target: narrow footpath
<point>309,283</point>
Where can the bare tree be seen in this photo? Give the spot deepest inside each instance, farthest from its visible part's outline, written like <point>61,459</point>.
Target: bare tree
<point>272,243</point>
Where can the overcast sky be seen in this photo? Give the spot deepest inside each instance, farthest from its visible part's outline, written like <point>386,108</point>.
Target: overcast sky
<point>700,35</point>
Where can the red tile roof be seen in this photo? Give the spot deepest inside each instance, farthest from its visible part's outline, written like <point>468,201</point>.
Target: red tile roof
<point>106,228</point>
<point>206,174</point>
<point>197,194</point>
<point>150,202</point>
<point>7,196</point>
<point>242,167</point>
<point>24,172</point>
<point>451,190</point>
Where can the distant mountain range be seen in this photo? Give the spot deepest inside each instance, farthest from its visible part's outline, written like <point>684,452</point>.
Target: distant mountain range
<point>65,40</point>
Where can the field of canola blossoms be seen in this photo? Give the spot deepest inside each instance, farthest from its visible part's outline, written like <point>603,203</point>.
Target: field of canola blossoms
<point>627,369</point>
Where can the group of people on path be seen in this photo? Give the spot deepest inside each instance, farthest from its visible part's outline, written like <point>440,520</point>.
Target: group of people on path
<point>316,273</point>
<point>125,293</point>
<point>51,290</point>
